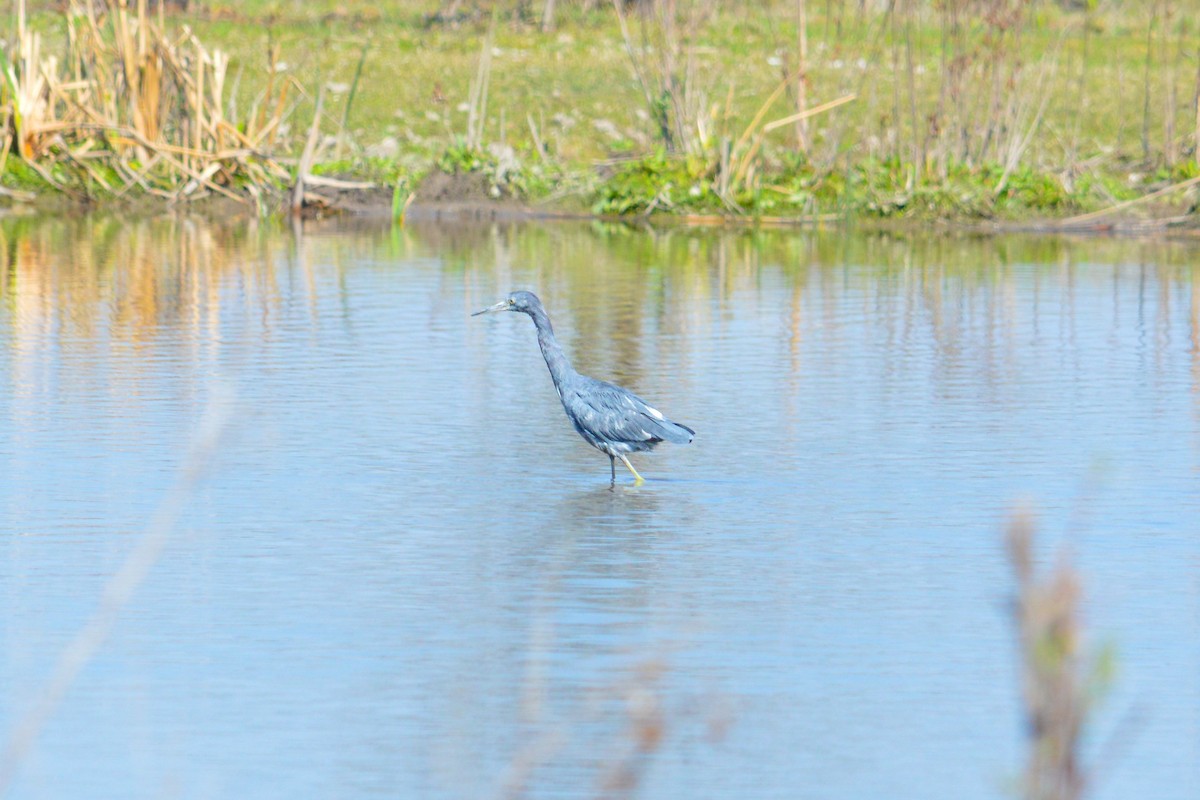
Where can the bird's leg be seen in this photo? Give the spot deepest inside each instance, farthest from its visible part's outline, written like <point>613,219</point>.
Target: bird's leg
<point>612,467</point>
<point>640,479</point>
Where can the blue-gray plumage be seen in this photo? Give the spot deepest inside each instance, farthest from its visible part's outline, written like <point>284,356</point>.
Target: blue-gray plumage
<point>613,420</point>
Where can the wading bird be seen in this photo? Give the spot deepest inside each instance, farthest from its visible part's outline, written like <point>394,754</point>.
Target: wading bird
<point>613,420</point>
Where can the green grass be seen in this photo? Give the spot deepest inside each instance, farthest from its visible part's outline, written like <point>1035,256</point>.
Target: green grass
<point>575,87</point>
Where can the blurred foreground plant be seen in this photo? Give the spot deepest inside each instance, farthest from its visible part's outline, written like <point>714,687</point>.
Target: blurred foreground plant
<point>1059,680</point>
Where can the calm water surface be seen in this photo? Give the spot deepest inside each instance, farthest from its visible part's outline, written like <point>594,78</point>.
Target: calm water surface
<point>406,576</point>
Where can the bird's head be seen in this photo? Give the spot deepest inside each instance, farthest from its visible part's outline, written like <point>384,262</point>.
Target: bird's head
<point>516,301</point>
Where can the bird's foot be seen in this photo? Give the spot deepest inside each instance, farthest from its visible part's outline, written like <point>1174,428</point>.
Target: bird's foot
<point>638,479</point>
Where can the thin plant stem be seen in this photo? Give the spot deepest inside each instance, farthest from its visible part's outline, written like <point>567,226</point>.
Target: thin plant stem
<point>117,593</point>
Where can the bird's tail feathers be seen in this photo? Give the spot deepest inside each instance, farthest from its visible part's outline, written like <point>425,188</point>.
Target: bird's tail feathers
<point>673,431</point>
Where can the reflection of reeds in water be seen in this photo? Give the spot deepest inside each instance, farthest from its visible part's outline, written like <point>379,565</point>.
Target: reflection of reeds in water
<point>645,722</point>
<point>684,269</point>
<point>76,277</point>
<point>607,734</point>
<point>93,281</point>
<point>627,303</point>
<point>619,290</point>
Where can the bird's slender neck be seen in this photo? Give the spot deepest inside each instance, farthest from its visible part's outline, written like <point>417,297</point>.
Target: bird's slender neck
<point>556,360</point>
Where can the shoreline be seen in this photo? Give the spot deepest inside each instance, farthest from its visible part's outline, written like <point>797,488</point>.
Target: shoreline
<point>454,200</point>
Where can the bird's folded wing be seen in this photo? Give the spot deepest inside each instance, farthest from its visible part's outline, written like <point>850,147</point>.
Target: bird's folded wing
<point>614,414</point>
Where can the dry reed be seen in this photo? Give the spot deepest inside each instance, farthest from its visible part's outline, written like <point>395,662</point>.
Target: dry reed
<point>133,106</point>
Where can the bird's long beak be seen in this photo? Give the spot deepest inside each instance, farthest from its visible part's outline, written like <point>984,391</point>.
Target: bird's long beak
<point>503,304</point>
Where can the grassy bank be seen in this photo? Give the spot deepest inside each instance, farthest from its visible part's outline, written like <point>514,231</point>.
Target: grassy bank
<point>955,110</point>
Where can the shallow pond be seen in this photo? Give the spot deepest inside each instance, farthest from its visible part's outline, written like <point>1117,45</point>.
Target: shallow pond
<point>404,575</point>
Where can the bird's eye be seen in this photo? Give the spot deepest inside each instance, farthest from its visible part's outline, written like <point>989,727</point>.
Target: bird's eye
<point>512,302</point>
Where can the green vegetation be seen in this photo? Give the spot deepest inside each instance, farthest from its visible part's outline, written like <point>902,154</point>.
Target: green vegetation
<point>951,110</point>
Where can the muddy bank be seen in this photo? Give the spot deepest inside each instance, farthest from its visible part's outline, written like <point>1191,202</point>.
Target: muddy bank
<point>471,197</point>
<point>440,196</point>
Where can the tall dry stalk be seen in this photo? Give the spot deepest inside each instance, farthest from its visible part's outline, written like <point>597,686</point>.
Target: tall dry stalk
<point>918,156</point>
<point>1169,144</point>
<point>664,66</point>
<point>29,107</point>
<point>350,95</point>
<point>1022,124</point>
<point>802,141</point>
<point>1146,83</point>
<point>1081,91</point>
<point>1196,108</point>
<point>478,100</point>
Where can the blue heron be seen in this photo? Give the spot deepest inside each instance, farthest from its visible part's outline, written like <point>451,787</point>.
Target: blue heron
<point>613,420</point>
